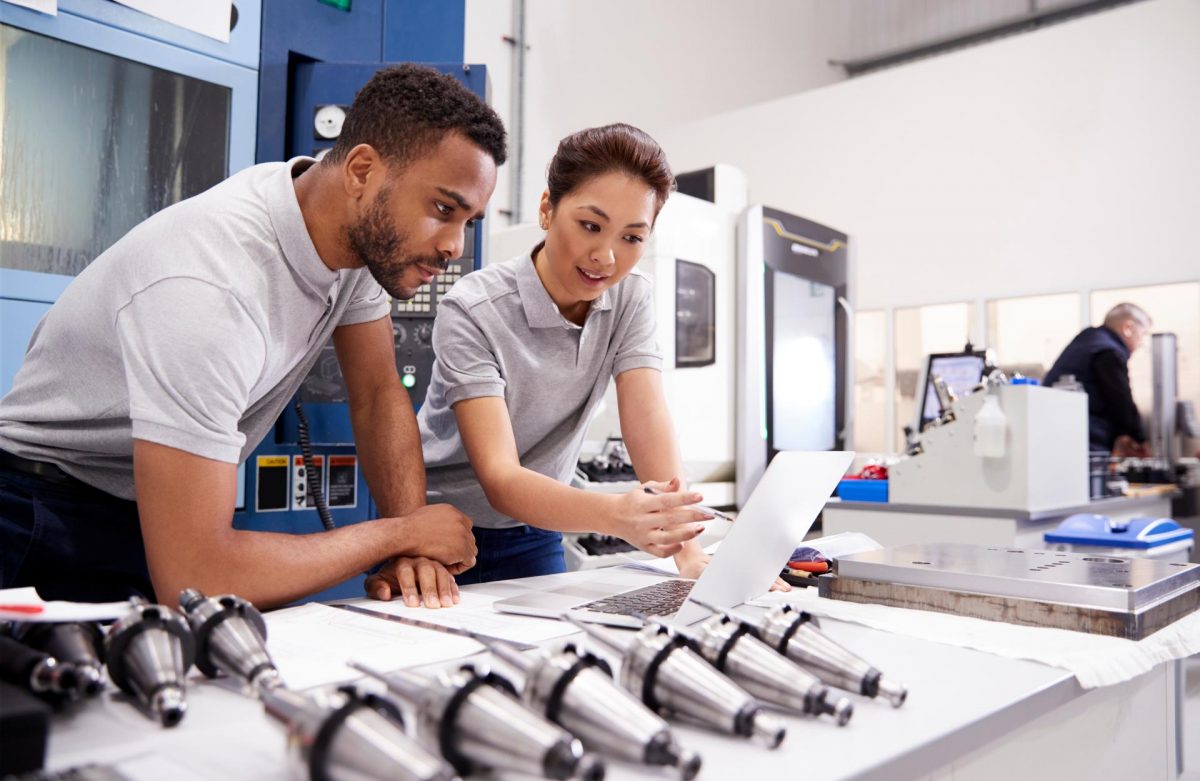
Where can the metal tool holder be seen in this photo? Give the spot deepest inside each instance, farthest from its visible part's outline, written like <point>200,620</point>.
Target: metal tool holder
<point>75,643</point>
<point>231,638</point>
<point>477,722</point>
<point>348,735</point>
<point>576,690</point>
<point>664,670</point>
<point>797,635</point>
<point>149,653</point>
<point>733,647</point>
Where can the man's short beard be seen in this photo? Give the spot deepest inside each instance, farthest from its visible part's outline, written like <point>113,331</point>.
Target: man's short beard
<point>382,247</point>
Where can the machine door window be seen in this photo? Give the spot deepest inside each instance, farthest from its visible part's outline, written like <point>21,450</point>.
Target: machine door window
<point>695,315</point>
<point>91,144</point>
<point>803,367</point>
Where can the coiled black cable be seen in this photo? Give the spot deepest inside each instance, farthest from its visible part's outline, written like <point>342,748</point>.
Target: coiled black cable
<point>310,469</point>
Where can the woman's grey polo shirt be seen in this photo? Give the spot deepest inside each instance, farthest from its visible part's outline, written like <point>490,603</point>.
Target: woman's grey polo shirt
<point>498,333</point>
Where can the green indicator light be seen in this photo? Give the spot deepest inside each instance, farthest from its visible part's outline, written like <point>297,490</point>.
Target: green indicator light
<point>408,380</point>
<point>341,5</point>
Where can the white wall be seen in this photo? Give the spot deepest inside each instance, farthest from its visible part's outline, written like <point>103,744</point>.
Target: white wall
<point>1064,159</point>
<point>652,64</point>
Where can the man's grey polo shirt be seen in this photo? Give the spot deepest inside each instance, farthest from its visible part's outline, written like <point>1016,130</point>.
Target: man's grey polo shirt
<point>498,333</point>
<point>194,331</point>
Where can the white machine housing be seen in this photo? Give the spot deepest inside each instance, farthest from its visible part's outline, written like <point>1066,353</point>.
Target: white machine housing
<point>751,447</point>
<point>1045,465</point>
<point>753,415</point>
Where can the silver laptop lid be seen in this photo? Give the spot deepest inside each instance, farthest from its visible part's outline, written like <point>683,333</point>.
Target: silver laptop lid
<point>778,515</point>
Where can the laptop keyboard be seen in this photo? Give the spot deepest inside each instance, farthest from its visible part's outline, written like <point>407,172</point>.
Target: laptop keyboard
<point>660,599</point>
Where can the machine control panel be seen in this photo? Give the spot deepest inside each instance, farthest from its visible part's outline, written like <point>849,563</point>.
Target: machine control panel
<point>412,323</point>
<point>424,303</point>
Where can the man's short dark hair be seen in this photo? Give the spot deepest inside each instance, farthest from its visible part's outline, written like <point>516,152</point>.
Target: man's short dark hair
<point>405,111</point>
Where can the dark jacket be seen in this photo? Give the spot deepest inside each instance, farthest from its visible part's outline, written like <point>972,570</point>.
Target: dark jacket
<point>1099,360</point>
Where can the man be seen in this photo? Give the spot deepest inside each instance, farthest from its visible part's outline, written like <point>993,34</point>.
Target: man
<point>1099,358</point>
<point>168,359</point>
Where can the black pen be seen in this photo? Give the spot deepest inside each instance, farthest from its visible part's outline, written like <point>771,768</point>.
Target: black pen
<point>700,507</point>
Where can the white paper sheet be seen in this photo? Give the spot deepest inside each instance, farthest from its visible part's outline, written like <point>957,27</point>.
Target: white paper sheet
<point>1095,660</point>
<point>24,604</point>
<point>842,544</point>
<point>312,643</point>
<point>207,17</point>
<point>474,612</point>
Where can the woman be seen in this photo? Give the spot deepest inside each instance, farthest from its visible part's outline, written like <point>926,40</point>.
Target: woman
<point>525,351</point>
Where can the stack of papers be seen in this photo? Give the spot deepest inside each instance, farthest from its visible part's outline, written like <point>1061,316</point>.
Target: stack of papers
<point>312,643</point>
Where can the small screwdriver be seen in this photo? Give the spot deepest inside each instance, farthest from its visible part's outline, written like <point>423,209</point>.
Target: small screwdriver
<point>700,507</point>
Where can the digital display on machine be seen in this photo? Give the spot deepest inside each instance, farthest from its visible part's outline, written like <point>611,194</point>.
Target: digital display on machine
<point>961,371</point>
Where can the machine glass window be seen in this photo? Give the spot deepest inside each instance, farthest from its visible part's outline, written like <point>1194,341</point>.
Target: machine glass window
<point>1028,333</point>
<point>91,144</point>
<point>919,331</point>
<point>1173,308</point>
<point>695,315</point>
<point>870,382</point>
<point>804,375</point>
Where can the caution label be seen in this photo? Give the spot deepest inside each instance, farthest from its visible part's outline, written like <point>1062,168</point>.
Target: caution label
<point>343,481</point>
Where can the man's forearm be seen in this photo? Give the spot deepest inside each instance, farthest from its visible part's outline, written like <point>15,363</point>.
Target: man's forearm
<point>389,444</point>
<point>272,569</point>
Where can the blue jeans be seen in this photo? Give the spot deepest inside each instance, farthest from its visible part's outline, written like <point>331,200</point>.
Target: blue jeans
<point>519,552</point>
<point>70,540</point>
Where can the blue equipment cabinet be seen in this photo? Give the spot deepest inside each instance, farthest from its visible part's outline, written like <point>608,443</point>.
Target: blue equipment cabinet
<point>305,86</point>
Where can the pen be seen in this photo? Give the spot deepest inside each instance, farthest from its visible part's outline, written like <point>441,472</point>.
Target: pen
<point>700,507</point>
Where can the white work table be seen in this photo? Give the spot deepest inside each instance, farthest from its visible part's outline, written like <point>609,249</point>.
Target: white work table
<point>968,715</point>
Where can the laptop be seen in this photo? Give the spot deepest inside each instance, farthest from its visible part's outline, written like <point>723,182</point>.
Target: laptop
<point>779,513</point>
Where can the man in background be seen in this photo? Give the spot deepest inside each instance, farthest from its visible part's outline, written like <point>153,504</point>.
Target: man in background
<point>1098,357</point>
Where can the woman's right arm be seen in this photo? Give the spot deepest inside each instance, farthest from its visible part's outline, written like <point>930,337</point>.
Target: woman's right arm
<point>659,525</point>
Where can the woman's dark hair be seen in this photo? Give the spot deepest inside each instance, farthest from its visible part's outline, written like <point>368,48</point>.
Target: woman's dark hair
<point>600,150</point>
<point>406,111</point>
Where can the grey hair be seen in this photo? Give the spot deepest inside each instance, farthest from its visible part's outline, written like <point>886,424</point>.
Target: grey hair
<point>1127,311</point>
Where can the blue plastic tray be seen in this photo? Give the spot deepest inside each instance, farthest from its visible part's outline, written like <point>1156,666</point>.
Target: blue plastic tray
<point>1099,530</point>
<point>855,490</point>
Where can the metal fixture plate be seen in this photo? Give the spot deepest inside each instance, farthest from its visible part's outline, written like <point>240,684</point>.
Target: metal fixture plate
<point>1114,595</point>
<point>1115,582</point>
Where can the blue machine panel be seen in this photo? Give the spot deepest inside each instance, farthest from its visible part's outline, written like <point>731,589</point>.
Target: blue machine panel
<point>296,32</point>
<point>244,33</point>
<point>319,84</point>
<point>424,30</point>
<point>316,55</point>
